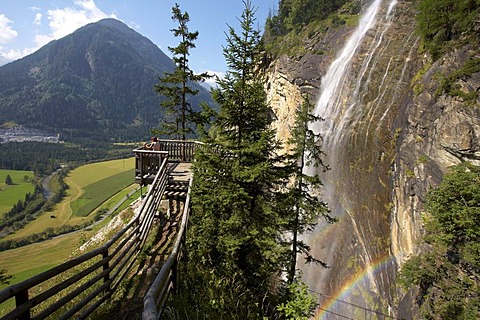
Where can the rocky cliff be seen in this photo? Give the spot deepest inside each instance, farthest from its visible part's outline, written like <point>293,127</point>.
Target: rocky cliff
<point>438,131</point>
<point>391,137</point>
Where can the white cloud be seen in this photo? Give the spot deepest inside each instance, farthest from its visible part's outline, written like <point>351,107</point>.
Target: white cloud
<point>212,81</point>
<point>42,39</point>
<point>14,54</point>
<point>38,19</point>
<point>61,23</point>
<point>6,32</point>
<point>65,21</point>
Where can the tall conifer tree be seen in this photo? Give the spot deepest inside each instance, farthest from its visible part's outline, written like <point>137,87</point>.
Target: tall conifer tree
<point>235,239</point>
<point>243,202</point>
<point>179,114</point>
<point>303,200</point>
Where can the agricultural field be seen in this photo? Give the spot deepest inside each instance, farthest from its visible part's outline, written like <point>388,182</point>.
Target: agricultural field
<point>11,194</point>
<point>41,257</point>
<point>96,193</point>
<point>47,254</point>
<point>50,253</point>
<point>88,187</point>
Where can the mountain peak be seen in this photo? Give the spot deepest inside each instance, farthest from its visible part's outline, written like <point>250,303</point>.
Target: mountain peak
<point>95,83</point>
<point>111,23</point>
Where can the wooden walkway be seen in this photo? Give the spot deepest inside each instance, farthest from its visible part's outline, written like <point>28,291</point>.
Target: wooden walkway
<point>179,179</point>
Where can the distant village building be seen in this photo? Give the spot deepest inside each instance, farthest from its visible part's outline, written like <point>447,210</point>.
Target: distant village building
<point>22,134</point>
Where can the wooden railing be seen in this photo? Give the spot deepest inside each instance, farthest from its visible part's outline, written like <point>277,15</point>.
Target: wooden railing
<point>79,286</point>
<point>147,164</point>
<point>180,150</point>
<point>166,280</point>
<point>147,161</point>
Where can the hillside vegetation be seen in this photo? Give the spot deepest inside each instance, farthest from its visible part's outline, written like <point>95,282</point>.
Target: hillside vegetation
<point>446,24</point>
<point>297,21</point>
<point>293,15</point>
<point>448,273</point>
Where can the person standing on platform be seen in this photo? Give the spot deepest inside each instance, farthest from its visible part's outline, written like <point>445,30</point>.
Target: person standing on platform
<point>155,144</point>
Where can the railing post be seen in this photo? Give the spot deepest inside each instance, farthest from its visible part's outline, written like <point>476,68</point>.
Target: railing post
<point>141,168</point>
<point>21,298</point>
<point>175,276</point>
<point>106,278</point>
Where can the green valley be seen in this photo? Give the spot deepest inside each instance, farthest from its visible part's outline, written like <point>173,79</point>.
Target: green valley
<point>10,194</point>
<point>110,181</point>
<point>104,179</point>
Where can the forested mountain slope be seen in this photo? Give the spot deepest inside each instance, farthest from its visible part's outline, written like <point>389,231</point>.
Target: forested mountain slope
<point>95,83</point>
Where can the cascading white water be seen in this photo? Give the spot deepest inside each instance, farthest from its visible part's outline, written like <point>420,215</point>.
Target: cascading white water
<point>348,105</point>
<point>333,83</point>
<point>328,105</point>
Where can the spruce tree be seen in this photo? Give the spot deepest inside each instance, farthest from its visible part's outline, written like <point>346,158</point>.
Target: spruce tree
<point>235,241</point>
<point>247,198</point>
<point>179,115</point>
<point>303,200</point>
<point>8,180</point>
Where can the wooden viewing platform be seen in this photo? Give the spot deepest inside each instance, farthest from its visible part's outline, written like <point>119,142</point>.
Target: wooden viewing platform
<point>79,286</point>
<point>178,153</point>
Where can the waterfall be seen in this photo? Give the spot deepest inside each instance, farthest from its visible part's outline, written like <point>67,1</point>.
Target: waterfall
<point>328,106</point>
<point>358,101</point>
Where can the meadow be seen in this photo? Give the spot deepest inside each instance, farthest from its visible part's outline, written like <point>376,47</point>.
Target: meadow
<point>88,187</point>
<point>115,183</point>
<point>96,193</point>
<point>47,254</point>
<point>11,194</point>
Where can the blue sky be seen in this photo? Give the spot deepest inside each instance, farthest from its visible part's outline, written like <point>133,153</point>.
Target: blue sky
<point>26,25</point>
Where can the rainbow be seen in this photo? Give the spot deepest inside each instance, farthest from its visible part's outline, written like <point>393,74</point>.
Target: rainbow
<point>348,287</point>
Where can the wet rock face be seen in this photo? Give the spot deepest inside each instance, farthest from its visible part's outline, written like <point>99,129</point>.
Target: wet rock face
<point>377,89</point>
<point>439,131</point>
<point>404,136</point>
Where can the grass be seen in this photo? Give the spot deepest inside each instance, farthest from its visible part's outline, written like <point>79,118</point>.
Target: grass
<point>103,184</point>
<point>11,194</point>
<point>77,180</point>
<point>96,193</point>
<point>94,172</point>
<point>41,257</point>
<point>47,254</point>
<point>99,180</point>
<point>107,205</point>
